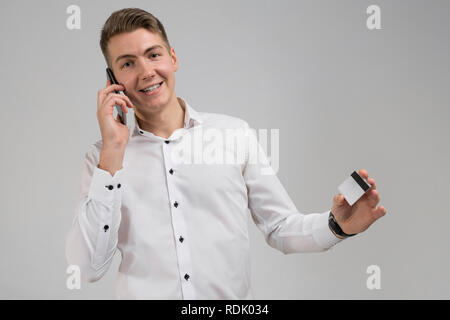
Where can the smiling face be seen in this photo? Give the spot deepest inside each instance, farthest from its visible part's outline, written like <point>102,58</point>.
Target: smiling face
<point>140,60</point>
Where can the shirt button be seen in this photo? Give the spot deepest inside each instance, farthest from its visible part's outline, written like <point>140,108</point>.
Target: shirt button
<point>110,187</point>
<point>186,276</point>
<point>141,132</point>
<point>181,239</point>
<point>106,227</point>
<point>167,141</point>
<point>119,185</point>
<point>171,171</point>
<point>175,204</point>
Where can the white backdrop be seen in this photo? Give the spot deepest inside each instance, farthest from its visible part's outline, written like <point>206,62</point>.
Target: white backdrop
<point>343,96</point>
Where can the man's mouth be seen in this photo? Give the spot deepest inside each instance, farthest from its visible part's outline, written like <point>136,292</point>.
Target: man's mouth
<point>152,88</point>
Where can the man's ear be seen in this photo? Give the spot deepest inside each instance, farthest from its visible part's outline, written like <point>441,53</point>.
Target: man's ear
<point>174,58</point>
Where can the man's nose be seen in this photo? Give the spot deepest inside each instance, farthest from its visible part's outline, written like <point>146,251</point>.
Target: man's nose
<point>146,71</point>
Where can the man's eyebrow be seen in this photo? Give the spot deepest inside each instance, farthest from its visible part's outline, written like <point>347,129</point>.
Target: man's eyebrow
<point>145,52</point>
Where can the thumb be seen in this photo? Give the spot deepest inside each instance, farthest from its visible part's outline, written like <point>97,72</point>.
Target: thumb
<point>339,200</point>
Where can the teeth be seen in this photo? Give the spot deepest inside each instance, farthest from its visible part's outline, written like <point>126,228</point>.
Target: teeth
<point>152,88</point>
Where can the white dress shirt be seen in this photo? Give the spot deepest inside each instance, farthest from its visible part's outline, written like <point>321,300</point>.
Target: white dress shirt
<point>180,226</point>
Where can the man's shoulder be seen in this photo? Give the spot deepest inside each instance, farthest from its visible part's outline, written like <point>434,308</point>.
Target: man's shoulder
<point>222,121</point>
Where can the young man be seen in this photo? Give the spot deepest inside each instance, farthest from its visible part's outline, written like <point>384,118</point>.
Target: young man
<point>182,227</point>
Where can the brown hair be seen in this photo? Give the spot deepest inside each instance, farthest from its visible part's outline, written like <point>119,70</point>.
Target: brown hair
<point>128,20</point>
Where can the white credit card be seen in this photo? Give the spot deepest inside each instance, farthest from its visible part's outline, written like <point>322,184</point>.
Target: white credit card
<point>353,188</point>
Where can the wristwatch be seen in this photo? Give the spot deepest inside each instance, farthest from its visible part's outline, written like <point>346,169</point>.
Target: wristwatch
<point>336,229</point>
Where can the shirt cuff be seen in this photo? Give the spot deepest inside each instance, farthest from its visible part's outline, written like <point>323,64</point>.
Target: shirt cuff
<point>104,187</point>
<point>322,234</point>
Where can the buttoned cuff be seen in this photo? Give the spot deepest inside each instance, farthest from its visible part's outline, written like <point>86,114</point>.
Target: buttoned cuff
<point>104,187</point>
<point>322,234</point>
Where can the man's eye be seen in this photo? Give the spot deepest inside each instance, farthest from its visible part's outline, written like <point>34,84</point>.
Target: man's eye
<point>155,55</point>
<point>126,64</point>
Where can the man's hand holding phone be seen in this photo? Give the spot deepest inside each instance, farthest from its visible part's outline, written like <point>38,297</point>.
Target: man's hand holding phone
<point>115,135</point>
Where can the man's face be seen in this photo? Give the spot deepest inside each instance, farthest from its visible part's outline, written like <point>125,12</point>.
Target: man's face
<point>140,60</point>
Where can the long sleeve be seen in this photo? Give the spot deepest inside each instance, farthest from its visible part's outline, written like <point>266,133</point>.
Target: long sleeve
<point>92,238</point>
<point>274,213</point>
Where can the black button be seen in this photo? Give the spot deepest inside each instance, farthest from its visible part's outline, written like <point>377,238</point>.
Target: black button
<point>175,204</point>
<point>141,132</point>
<point>167,141</point>
<point>181,239</point>
<point>171,171</point>
<point>110,187</point>
<point>118,186</point>
<point>186,276</point>
<point>106,228</point>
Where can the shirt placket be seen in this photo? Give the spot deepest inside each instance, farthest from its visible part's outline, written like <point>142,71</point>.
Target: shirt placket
<point>178,223</point>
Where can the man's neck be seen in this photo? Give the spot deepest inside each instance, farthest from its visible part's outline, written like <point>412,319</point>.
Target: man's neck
<point>165,122</point>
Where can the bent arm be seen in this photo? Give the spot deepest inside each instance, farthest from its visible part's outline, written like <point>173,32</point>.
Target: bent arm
<point>93,236</point>
<point>274,213</point>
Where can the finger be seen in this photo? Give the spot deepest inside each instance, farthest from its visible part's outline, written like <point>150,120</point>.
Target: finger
<point>373,198</point>
<point>123,106</point>
<point>372,183</point>
<point>124,98</point>
<point>129,103</point>
<point>115,99</point>
<point>337,198</point>
<point>111,88</point>
<point>103,93</point>
<point>363,173</point>
<point>379,212</point>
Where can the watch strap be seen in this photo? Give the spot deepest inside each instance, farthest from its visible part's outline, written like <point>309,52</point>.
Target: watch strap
<point>335,228</point>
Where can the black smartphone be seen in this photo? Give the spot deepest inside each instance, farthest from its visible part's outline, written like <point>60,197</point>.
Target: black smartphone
<point>122,116</point>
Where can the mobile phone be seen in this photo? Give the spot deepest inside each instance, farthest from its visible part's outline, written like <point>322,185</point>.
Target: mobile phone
<point>112,78</point>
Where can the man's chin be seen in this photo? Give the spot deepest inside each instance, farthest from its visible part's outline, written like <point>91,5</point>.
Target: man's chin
<point>148,108</point>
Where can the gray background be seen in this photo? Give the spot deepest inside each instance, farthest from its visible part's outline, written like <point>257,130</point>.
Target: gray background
<point>343,97</point>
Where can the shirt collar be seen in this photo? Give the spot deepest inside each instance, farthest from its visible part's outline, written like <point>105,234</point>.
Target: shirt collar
<point>191,117</point>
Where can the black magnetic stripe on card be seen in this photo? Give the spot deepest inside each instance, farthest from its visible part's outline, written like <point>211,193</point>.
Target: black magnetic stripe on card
<point>360,181</point>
